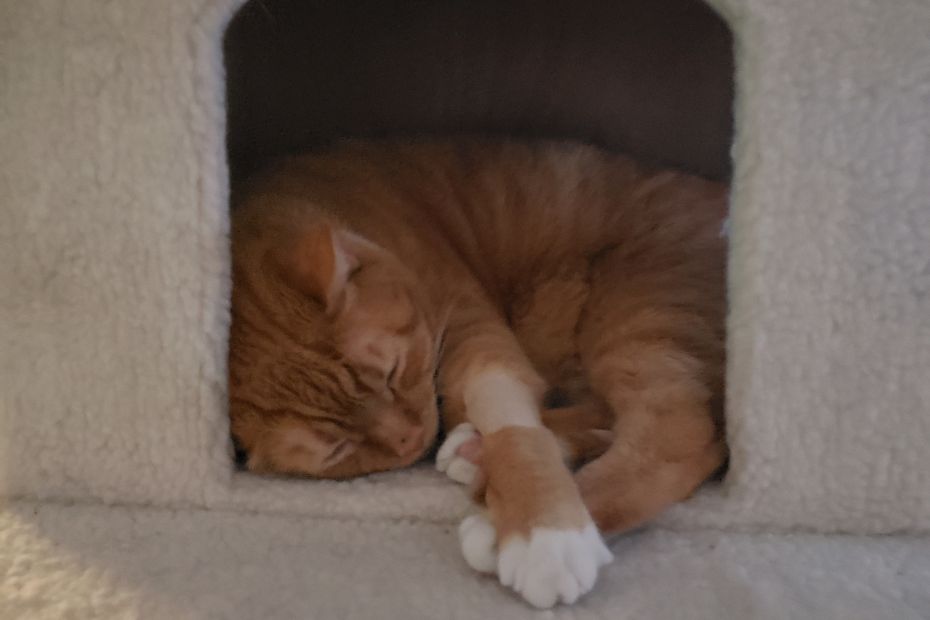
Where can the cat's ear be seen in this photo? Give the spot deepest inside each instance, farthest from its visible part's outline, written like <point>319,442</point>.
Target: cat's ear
<point>319,264</point>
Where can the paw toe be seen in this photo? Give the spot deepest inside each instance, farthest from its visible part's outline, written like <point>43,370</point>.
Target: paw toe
<point>552,566</point>
<point>478,541</point>
<point>450,462</point>
<point>462,470</point>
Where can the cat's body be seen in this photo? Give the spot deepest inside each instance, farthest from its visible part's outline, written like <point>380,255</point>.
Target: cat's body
<point>533,267</point>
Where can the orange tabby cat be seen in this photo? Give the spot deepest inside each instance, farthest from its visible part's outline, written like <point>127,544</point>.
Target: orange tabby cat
<point>371,277</point>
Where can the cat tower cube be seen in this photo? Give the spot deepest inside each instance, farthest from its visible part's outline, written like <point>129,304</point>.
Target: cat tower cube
<point>120,497</point>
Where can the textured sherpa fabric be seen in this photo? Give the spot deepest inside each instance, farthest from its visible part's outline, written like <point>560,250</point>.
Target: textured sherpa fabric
<point>114,285</point>
<point>829,342</point>
<point>114,270</point>
<point>92,562</point>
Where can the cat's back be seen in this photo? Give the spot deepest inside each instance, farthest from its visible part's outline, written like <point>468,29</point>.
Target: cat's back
<point>486,185</point>
<point>493,202</point>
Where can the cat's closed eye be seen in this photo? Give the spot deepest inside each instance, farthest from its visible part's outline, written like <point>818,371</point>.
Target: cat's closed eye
<point>391,378</point>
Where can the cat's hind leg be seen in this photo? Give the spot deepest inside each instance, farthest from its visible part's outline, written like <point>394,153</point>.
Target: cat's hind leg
<point>652,343</point>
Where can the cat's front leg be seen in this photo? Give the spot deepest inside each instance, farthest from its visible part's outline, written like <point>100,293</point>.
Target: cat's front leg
<point>547,547</point>
<point>582,430</point>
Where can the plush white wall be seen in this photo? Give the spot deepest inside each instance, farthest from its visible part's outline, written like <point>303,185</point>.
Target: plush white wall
<point>829,382</point>
<point>114,258</point>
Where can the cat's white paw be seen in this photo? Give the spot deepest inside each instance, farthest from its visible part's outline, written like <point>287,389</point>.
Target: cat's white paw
<point>479,540</point>
<point>457,467</point>
<point>552,565</point>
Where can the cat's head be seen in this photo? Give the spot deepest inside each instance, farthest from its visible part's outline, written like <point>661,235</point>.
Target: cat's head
<point>333,352</point>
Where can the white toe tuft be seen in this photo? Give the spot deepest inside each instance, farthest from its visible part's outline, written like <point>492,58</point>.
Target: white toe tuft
<point>478,541</point>
<point>456,467</point>
<point>553,565</point>
<point>462,470</point>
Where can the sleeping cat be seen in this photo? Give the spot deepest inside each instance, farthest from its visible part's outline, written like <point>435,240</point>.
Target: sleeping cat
<point>504,277</point>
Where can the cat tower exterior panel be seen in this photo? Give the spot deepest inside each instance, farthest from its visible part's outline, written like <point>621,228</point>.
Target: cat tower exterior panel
<point>115,280</point>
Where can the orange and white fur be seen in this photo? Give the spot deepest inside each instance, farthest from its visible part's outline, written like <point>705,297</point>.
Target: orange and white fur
<point>375,276</point>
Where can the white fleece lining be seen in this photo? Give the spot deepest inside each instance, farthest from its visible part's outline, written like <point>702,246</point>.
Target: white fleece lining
<point>91,561</point>
<point>114,272</point>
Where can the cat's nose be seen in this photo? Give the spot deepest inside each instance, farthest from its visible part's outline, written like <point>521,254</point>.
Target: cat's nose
<point>397,433</point>
<point>403,440</point>
<point>410,442</point>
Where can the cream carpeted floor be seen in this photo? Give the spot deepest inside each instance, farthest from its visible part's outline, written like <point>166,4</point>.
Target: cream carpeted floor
<point>90,561</point>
